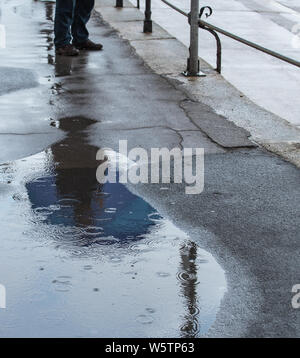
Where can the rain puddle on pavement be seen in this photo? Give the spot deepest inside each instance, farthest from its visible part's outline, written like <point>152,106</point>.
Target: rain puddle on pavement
<point>81,259</point>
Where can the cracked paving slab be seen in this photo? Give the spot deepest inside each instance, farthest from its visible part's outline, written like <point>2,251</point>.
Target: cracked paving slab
<point>216,127</point>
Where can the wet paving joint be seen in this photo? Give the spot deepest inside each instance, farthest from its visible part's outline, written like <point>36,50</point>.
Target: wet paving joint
<point>81,259</point>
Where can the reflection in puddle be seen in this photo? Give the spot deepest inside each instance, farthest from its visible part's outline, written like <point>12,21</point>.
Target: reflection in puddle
<point>97,255</point>
<point>80,259</point>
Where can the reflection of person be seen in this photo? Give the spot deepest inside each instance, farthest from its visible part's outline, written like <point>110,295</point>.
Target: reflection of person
<point>71,34</point>
<point>100,211</point>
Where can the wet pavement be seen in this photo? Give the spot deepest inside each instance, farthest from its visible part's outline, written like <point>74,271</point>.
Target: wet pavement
<point>81,259</point>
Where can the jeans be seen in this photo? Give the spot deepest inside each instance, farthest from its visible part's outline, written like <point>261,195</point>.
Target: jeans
<point>71,17</point>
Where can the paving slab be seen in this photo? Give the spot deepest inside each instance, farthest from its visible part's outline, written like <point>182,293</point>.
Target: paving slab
<point>172,57</point>
<point>133,30</point>
<point>121,14</point>
<point>218,128</point>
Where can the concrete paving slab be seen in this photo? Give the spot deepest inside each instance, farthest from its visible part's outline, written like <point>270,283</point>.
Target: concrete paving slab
<point>120,14</point>
<point>133,30</point>
<point>172,58</point>
<point>197,139</point>
<point>217,128</point>
<point>289,151</point>
<point>293,4</point>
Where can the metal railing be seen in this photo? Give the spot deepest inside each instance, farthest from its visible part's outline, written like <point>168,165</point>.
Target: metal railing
<point>194,18</point>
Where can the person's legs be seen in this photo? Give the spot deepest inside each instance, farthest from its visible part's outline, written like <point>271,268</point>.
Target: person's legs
<point>82,14</point>
<point>64,14</point>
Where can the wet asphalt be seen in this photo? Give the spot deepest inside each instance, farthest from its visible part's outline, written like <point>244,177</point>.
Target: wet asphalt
<point>83,259</point>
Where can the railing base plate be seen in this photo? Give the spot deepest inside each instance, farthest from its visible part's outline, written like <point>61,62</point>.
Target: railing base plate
<point>199,74</point>
<point>147,26</point>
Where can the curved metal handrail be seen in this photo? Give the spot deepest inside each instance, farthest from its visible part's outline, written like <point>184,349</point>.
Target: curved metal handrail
<point>289,60</point>
<point>214,30</point>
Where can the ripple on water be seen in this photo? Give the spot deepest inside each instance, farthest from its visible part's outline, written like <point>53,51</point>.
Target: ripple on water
<point>110,210</point>
<point>91,231</point>
<point>154,217</point>
<point>115,259</point>
<point>145,319</point>
<point>68,202</point>
<point>190,329</point>
<point>150,310</point>
<point>62,283</point>
<point>87,267</point>
<point>163,274</point>
<point>186,277</point>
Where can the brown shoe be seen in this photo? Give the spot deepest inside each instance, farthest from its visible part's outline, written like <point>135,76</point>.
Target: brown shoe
<point>67,50</point>
<point>88,45</point>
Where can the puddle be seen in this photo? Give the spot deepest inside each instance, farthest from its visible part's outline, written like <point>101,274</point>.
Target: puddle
<point>79,258</point>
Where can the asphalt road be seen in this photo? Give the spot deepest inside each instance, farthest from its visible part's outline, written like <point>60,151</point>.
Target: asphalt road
<point>247,217</point>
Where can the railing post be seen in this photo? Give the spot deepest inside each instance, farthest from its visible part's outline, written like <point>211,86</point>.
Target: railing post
<point>148,21</point>
<point>119,3</point>
<point>193,64</point>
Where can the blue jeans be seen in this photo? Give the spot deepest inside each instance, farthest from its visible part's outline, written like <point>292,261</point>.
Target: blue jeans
<point>71,17</point>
